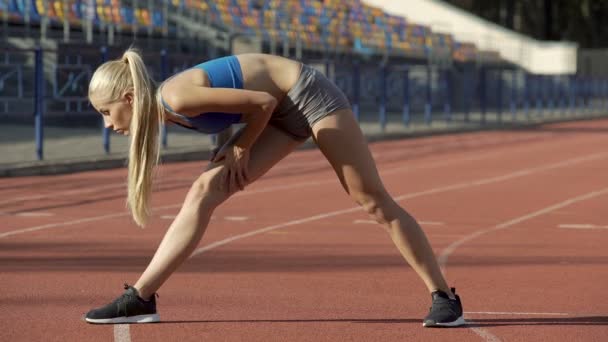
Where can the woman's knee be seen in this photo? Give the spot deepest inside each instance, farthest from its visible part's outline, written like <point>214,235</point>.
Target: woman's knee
<point>208,190</point>
<point>377,203</point>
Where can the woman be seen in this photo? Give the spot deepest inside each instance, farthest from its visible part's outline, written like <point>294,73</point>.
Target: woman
<point>282,103</point>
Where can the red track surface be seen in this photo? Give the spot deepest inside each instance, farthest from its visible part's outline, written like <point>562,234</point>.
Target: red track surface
<point>491,203</point>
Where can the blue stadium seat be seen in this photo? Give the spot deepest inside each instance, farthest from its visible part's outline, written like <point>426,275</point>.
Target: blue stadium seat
<point>19,8</point>
<point>157,19</point>
<point>128,15</point>
<point>13,8</point>
<point>78,8</point>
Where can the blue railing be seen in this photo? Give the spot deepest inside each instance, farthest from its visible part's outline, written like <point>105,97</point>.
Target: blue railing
<point>383,93</point>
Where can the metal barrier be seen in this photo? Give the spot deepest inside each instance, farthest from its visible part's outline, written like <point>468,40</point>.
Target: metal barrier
<point>382,92</point>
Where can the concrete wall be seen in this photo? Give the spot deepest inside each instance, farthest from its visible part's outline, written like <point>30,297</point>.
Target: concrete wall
<point>592,62</point>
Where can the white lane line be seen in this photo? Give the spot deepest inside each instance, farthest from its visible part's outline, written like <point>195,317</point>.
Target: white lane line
<point>426,223</point>
<point>457,186</point>
<point>365,222</point>
<point>484,334</point>
<point>581,226</point>
<point>125,214</point>
<point>270,228</point>
<point>445,254</point>
<point>236,218</point>
<point>519,313</point>
<point>34,214</point>
<point>122,333</point>
<point>431,223</point>
<point>123,185</point>
<point>277,233</point>
<point>62,193</point>
<point>61,224</point>
<point>443,258</point>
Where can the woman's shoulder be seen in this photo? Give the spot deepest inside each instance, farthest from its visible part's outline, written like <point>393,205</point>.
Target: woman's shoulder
<point>191,76</point>
<point>171,88</point>
<point>186,78</point>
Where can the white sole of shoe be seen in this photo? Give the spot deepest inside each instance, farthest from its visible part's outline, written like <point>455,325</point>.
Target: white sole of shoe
<point>132,319</point>
<point>460,321</point>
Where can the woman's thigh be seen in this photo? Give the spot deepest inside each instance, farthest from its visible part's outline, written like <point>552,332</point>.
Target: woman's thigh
<point>341,141</point>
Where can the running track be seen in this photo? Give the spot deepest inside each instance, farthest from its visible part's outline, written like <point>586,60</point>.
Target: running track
<point>519,220</point>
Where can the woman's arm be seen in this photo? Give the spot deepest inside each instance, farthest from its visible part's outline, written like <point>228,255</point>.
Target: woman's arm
<point>255,106</point>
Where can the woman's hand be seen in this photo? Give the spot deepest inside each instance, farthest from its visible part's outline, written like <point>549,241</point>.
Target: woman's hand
<point>236,160</point>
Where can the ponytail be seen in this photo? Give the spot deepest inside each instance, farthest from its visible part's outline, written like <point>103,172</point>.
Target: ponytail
<point>144,131</point>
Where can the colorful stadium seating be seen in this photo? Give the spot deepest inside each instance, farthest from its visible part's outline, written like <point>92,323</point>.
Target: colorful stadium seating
<point>347,25</point>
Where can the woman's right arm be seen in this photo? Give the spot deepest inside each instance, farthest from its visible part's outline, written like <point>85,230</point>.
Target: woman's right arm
<point>256,107</point>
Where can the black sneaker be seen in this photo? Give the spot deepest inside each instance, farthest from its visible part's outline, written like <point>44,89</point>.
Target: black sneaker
<point>445,312</point>
<point>128,308</point>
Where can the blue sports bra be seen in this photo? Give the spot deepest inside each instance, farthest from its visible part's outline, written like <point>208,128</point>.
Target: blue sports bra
<point>223,72</point>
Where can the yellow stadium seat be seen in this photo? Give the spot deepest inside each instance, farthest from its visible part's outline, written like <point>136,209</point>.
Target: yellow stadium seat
<point>40,7</point>
<point>59,10</point>
<point>138,19</point>
<point>99,10</point>
<point>107,14</point>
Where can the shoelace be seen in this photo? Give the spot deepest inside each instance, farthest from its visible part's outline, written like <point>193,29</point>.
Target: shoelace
<point>443,303</point>
<point>121,302</point>
<point>126,287</point>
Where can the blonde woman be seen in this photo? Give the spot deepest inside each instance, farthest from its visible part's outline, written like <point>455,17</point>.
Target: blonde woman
<point>281,103</point>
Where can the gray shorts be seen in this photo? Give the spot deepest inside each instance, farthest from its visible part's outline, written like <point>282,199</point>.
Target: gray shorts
<point>311,98</point>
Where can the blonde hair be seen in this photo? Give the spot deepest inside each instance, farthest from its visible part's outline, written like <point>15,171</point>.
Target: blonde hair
<point>108,84</point>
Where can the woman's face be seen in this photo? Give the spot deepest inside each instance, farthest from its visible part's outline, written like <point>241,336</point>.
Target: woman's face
<point>116,115</point>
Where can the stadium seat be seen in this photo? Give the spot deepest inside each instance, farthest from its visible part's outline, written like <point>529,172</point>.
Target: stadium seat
<point>127,15</point>
<point>157,19</point>
<point>20,7</point>
<point>333,23</point>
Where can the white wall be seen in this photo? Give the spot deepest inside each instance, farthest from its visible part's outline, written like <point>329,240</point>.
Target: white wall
<point>533,55</point>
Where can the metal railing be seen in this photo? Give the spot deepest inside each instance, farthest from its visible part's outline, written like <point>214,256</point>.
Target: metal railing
<point>379,92</point>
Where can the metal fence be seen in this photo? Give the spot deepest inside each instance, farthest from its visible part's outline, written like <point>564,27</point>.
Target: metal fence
<point>52,85</point>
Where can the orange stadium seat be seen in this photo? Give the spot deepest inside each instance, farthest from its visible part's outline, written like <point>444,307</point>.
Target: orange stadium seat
<point>49,10</point>
<point>116,5</point>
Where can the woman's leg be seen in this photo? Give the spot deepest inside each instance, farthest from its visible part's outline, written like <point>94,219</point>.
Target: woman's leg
<point>188,228</point>
<point>343,144</point>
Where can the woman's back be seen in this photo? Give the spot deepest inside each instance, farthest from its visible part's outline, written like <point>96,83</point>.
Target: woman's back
<point>272,74</point>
